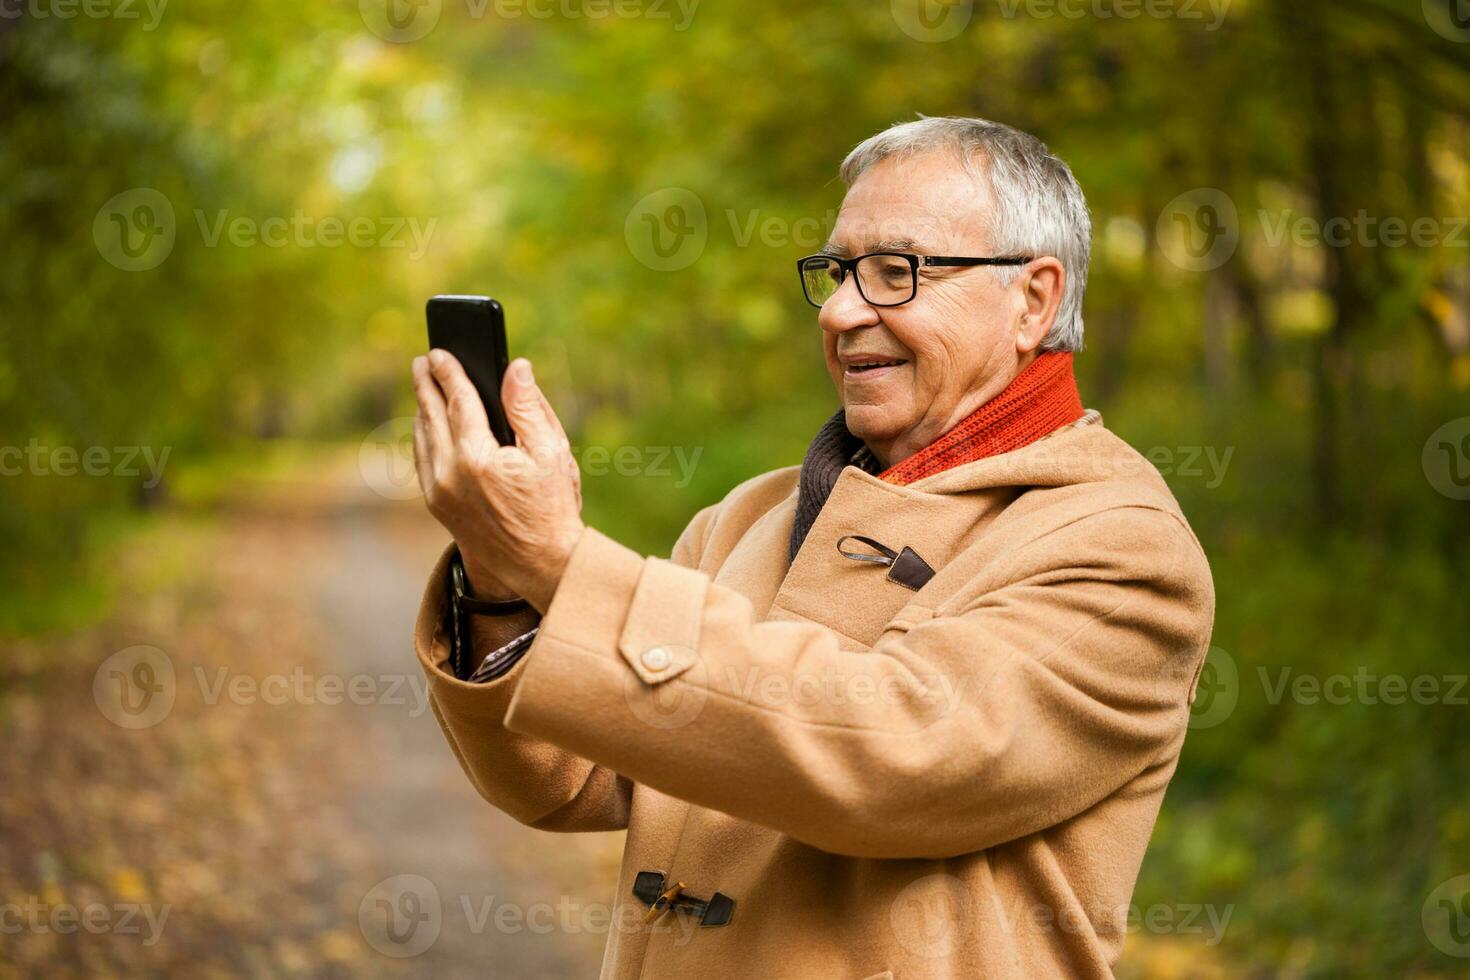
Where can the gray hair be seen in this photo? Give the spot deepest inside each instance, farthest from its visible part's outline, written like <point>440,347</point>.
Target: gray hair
<point>1039,207</point>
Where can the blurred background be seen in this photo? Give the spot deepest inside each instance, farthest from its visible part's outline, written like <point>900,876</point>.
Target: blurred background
<point>221,221</point>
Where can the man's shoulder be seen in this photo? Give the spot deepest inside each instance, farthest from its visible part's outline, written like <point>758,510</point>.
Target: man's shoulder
<point>765,489</point>
<point>1099,470</point>
<point>751,499</point>
<point>1092,480</point>
<point>716,528</point>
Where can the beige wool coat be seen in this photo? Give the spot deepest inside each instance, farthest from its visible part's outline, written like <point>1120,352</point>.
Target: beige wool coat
<point>958,781</point>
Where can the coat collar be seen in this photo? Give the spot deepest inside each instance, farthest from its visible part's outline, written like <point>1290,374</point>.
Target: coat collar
<point>936,517</point>
<point>1038,401</point>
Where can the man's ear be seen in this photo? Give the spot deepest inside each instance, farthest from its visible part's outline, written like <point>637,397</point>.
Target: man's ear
<point>1041,282</point>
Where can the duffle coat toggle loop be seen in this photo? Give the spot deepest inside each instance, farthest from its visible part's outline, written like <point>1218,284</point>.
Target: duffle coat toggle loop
<point>886,556</point>
<point>905,567</point>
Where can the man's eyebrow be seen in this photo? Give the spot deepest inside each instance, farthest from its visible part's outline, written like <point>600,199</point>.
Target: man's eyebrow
<point>887,245</point>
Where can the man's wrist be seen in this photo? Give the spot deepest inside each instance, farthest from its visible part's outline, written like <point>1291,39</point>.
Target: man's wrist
<point>484,584</point>
<point>544,585</point>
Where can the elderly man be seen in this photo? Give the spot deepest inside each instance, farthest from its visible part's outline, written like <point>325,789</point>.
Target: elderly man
<point>907,710</point>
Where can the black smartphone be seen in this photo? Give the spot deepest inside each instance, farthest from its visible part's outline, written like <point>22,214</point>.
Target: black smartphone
<point>472,328</point>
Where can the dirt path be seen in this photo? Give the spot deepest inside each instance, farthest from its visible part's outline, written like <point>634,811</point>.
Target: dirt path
<point>512,899</point>
<point>277,822</point>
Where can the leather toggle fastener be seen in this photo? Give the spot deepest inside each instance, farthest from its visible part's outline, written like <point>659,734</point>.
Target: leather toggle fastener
<point>905,567</point>
<point>649,888</point>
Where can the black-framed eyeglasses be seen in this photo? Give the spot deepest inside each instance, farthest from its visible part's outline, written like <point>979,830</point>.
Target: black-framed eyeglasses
<point>883,278</point>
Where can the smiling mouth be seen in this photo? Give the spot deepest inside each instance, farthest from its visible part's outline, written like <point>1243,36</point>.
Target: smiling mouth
<point>868,367</point>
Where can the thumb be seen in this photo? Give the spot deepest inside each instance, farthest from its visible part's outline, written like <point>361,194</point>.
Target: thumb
<point>522,399</point>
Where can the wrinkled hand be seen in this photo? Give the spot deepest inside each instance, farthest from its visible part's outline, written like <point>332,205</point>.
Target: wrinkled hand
<point>515,511</point>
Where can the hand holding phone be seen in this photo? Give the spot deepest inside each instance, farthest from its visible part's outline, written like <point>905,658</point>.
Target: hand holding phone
<point>516,524</point>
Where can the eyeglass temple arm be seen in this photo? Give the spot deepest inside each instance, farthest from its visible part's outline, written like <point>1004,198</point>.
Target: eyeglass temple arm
<point>957,260</point>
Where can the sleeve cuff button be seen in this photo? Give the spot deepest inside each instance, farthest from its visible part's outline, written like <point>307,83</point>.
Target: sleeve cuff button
<point>657,658</point>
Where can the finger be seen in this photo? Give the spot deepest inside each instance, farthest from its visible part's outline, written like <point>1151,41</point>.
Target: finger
<point>432,408</point>
<point>468,424</point>
<point>551,418</point>
<point>528,411</point>
<point>423,460</point>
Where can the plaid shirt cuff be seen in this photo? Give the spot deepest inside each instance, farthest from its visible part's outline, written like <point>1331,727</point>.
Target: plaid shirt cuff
<point>500,660</point>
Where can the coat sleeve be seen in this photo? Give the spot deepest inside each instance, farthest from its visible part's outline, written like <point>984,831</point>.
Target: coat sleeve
<point>533,780</point>
<point>1037,692</point>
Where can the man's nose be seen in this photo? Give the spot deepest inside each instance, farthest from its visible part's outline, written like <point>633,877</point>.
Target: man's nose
<point>846,309</point>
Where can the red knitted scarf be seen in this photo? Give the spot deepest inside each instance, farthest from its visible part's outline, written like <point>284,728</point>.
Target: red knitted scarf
<point>1040,400</point>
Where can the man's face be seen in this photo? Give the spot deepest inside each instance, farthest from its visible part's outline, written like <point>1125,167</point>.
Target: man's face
<point>958,342</point>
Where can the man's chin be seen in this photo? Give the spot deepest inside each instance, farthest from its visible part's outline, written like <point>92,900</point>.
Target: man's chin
<point>871,423</point>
